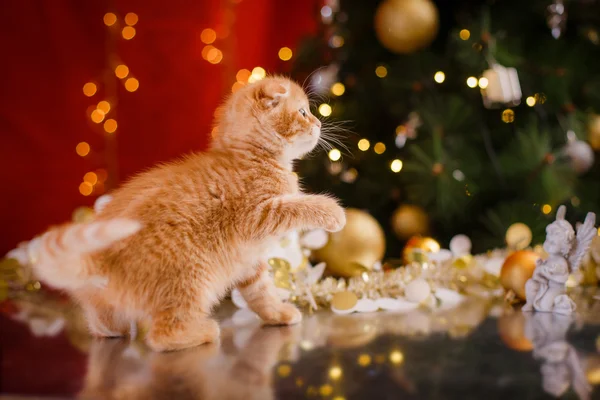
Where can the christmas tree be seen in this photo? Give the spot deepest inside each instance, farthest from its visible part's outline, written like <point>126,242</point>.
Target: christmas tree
<point>457,116</point>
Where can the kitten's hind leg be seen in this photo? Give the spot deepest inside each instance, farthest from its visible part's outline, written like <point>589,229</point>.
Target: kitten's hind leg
<point>103,320</point>
<point>179,328</point>
<point>261,295</point>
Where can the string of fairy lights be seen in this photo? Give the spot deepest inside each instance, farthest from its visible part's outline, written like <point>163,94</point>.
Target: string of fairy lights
<point>103,113</point>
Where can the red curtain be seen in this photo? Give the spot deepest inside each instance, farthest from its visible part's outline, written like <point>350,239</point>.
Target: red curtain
<point>51,48</point>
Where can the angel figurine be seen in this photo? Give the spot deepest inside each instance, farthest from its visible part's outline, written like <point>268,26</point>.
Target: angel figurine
<point>546,290</point>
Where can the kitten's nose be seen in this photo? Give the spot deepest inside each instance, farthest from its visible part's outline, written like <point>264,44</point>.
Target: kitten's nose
<point>317,122</point>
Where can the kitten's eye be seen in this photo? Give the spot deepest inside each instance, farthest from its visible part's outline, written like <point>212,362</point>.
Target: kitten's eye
<point>302,111</point>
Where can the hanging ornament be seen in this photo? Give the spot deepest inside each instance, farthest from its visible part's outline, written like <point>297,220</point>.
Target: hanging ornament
<point>518,236</point>
<point>581,155</point>
<point>408,130</point>
<point>409,220</point>
<point>557,18</point>
<point>405,26</point>
<point>594,132</point>
<point>417,248</point>
<point>517,270</point>
<point>356,248</point>
<point>503,88</point>
<point>322,79</point>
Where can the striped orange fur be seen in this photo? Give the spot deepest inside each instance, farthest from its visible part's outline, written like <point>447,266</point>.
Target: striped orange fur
<point>206,224</point>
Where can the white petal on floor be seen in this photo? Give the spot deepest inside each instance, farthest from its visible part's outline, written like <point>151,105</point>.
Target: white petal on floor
<point>366,306</point>
<point>402,305</point>
<point>449,298</point>
<point>315,273</point>
<point>237,299</point>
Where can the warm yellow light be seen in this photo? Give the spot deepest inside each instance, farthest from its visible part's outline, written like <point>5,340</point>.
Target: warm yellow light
<point>104,106</point>
<point>243,75</point>
<point>335,154</point>
<point>284,370</point>
<point>464,34</point>
<point>338,89</point>
<point>89,89</point>
<point>326,390</point>
<point>131,19</point>
<point>381,71</point>
<point>110,19</point>
<point>82,149</point>
<point>258,73</point>
<point>214,56</point>
<point>530,101</point>
<point>364,360</point>
<point>396,357</point>
<point>335,373</point>
<point>339,398</point>
<point>364,144</point>
<point>483,82</point>
<point>508,116</point>
<point>285,53</point>
<point>132,84</point>
<point>325,110</point>
<point>85,188</point>
<point>110,126</point>
<point>205,51</point>
<point>121,71</point>
<point>379,148</point>
<point>236,86</point>
<point>97,116</point>
<point>439,77</point>
<point>546,209</point>
<point>396,165</point>
<point>128,32</point>
<point>208,36</point>
<point>472,82</point>
<point>337,41</point>
<point>90,178</point>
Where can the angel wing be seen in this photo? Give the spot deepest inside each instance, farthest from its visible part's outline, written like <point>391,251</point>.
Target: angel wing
<point>585,234</point>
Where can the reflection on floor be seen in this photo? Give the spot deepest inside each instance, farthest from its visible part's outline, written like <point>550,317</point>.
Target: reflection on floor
<point>478,349</point>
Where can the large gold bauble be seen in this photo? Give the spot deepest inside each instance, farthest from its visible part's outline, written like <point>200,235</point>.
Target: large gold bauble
<point>356,247</point>
<point>511,329</point>
<point>594,132</point>
<point>417,247</point>
<point>404,26</point>
<point>517,270</point>
<point>409,220</point>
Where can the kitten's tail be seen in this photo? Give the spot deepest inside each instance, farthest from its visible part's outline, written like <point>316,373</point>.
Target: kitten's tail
<point>57,255</point>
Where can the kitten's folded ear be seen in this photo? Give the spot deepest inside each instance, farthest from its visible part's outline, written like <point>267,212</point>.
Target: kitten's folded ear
<point>269,93</point>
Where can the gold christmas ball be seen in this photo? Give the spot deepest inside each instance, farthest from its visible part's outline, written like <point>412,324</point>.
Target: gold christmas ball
<point>356,247</point>
<point>404,26</point>
<point>594,132</point>
<point>517,270</point>
<point>511,329</point>
<point>409,220</point>
<point>416,247</point>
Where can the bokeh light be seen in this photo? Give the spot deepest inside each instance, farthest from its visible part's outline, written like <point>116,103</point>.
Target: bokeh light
<point>89,89</point>
<point>82,149</point>
<point>285,53</point>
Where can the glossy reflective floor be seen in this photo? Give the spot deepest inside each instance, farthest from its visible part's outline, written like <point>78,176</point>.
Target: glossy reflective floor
<point>479,350</point>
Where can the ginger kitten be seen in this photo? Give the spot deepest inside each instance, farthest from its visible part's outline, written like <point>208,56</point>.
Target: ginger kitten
<point>175,239</point>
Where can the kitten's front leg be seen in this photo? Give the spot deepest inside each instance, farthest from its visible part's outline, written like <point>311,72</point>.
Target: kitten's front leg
<point>300,212</point>
<point>260,293</point>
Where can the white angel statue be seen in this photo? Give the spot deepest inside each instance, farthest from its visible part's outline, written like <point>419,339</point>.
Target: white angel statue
<point>546,290</point>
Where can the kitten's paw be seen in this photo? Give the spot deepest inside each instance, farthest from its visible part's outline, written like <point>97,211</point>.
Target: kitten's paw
<point>283,314</point>
<point>335,216</point>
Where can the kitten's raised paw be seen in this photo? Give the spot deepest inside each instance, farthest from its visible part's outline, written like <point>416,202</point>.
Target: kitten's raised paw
<point>336,220</point>
<point>283,314</point>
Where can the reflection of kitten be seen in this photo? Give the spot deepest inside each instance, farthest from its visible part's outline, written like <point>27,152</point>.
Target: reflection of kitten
<point>206,223</point>
<point>116,372</point>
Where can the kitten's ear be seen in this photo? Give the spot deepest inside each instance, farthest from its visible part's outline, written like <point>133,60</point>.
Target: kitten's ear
<point>270,93</point>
